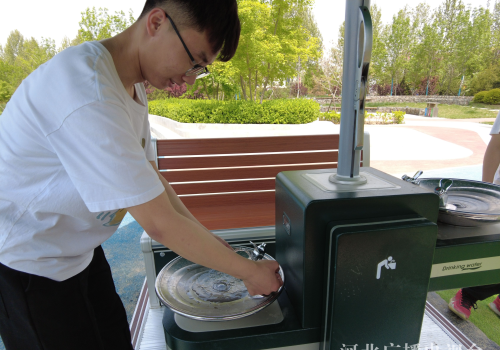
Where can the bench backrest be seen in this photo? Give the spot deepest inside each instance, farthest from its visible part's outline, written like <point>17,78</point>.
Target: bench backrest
<point>238,173</point>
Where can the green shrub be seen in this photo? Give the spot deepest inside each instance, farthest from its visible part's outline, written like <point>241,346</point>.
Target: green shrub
<point>399,117</point>
<point>332,116</point>
<point>479,97</point>
<point>492,97</point>
<point>283,111</point>
<point>396,117</point>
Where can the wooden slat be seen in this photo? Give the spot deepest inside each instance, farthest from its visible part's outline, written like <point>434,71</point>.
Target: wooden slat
<point>247,160</point>
<point>243,209</point>
<point>236,173</point>
<point>247,145</point>
<point>236,216</point>
<point>221,200</point>
<point>230,186</point>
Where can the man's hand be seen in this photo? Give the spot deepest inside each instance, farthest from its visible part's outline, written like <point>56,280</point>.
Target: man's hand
<point>264,279</point>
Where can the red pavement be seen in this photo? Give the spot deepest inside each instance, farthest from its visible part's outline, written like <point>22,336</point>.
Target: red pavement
<point>465,138</point>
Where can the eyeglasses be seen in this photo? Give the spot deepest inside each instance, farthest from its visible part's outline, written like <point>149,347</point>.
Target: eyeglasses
<point>197,70</point>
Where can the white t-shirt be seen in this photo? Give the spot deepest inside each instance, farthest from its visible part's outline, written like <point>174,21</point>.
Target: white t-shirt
<point>494,131</point>
<point>74,150</point>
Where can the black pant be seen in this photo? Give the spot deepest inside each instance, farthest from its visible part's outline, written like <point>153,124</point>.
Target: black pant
<point>83,312</point>
<point>481,292</point>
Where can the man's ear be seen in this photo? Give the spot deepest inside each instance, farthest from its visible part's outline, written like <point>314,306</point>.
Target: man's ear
<point>154,20</point>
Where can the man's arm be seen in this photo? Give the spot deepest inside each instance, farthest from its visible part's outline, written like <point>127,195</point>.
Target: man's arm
<point>491,159</point>
<point>163,222</point>
<point>179,206</point>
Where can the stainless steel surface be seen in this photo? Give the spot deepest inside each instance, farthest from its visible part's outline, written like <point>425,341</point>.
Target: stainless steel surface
<point>204,294</point>
<point>470,203</point>
<point>270,315</point>
<point>446,232</point>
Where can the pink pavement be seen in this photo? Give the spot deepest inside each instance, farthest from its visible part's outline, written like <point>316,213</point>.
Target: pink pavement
<point>462,137</point>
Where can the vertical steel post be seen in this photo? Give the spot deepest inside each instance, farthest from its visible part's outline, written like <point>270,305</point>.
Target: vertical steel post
<point>357,55</point>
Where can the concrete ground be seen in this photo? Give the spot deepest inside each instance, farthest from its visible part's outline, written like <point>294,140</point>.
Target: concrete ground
<point>429,144</point>
<point>439,147</point>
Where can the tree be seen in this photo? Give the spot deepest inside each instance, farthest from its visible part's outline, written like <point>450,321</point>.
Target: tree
<point>5,92</point>
<point>451,20</point>
<point>495,32</point>
<point>220,84</point>
<point>13,47</point>
<point>378,64</point>
<point>311,66</point>
<point>98,24</point>
<point>34,54</point>
<point>272,40</point>
<point>398,44</point>
<point>22,56</point>
<point>332,67</point>
<point>427,57</point>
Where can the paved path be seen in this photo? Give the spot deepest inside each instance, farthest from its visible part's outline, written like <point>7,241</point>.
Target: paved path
<point>427,144</point>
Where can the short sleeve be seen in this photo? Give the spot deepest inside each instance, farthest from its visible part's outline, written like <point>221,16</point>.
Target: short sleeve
<point>496,126</point>
<point>104,158</point>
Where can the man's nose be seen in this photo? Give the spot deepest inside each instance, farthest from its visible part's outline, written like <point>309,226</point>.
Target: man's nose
<point>189,79</point>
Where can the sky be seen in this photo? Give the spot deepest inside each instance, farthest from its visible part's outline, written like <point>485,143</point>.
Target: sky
<point>56,19</point>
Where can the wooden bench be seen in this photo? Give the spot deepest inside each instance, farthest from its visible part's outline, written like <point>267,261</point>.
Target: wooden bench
<point>228,183</point>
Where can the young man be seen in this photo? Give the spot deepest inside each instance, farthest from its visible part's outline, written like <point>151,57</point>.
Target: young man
<point>75,155</point>
<point>466,298</point>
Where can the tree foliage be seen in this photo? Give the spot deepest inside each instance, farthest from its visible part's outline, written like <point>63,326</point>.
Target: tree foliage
<point>98,24</point>
<point>20,56</point>
<point>274,38</point>
<point>437,48</point>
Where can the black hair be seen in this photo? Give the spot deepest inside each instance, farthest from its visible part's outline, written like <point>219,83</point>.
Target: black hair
<point>219,18</point>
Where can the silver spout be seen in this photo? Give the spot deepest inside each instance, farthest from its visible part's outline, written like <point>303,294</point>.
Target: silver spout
<point>441,191</point>
<point>413,179</point>
<point>258,251</point>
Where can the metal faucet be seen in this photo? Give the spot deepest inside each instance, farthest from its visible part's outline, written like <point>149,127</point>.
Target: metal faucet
<point>258,251</point>
<point>441,191</point>
<point>413,179</point>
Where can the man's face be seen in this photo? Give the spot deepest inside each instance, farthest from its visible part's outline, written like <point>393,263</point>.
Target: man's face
<point>163,59</point>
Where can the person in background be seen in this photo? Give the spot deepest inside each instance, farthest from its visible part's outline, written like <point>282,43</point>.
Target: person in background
<point>76,155</point>
<point>465,299</point>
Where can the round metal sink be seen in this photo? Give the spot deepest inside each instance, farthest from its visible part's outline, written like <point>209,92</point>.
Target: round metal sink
<point>204,294</point>
<point>469,203</point>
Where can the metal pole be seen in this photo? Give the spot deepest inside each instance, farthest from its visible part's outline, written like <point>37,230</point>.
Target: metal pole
<point>357,55</point>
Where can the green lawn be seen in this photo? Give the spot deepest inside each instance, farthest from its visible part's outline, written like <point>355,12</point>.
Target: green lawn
<point>482,105</point>
<point>2,107</point>
<point>463,112</point>
<point>444,111</point>
<point>485,319</point>
<point>392,104</point>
